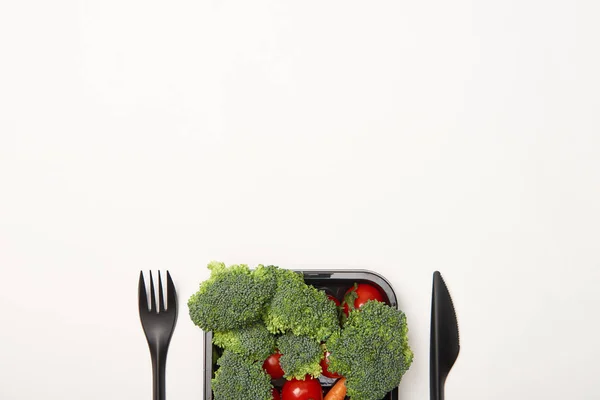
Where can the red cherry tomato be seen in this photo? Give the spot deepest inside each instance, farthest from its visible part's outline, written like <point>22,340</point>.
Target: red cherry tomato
<point>276,394</point>
<point>272,366</point>
<point>307,389</point>
<point>325,364</point>
<point>336,301</point>
<point>364,292</point>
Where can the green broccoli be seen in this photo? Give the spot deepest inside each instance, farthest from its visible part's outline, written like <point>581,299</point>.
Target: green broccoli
<point>253,342</point>
<point>240,379</point>
<point>300,355</point>
<point>232,297</point>
<point>371,351</point>
<point>300,308</point>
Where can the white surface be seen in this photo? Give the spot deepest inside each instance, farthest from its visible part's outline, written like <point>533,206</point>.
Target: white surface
<point>397,136</point>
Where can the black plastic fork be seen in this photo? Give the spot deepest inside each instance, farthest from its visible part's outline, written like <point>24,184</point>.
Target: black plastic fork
<point>158,325</point>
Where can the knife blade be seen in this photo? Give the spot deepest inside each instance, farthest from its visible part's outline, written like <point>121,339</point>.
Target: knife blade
<point>445,343</point>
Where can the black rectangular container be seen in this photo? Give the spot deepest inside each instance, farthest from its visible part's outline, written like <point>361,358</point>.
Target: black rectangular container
<point>335,282</point>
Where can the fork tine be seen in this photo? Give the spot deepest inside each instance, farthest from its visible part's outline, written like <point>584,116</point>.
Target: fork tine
<point>152,295</point>
<point>142,296</point>
<point>171,294</point>
<point>161,299</point>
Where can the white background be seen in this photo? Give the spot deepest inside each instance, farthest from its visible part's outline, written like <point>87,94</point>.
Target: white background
<point>398,136</point>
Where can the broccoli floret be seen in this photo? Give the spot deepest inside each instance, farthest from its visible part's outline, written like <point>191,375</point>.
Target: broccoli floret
<point>300,308</point>
<point>232,297</point>
<point>371,351</point>
<point>253,342</point>
<point>300,355</point>
<point>237,378</point>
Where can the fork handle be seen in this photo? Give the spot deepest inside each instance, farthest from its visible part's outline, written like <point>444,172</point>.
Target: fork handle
<point>158,376</point>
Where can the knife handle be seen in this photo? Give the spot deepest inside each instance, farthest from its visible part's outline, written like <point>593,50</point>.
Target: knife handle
<point>436,389</point>
<point>436,380</point>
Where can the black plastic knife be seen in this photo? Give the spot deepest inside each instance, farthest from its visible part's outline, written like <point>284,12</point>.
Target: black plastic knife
<point>444,346</point>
